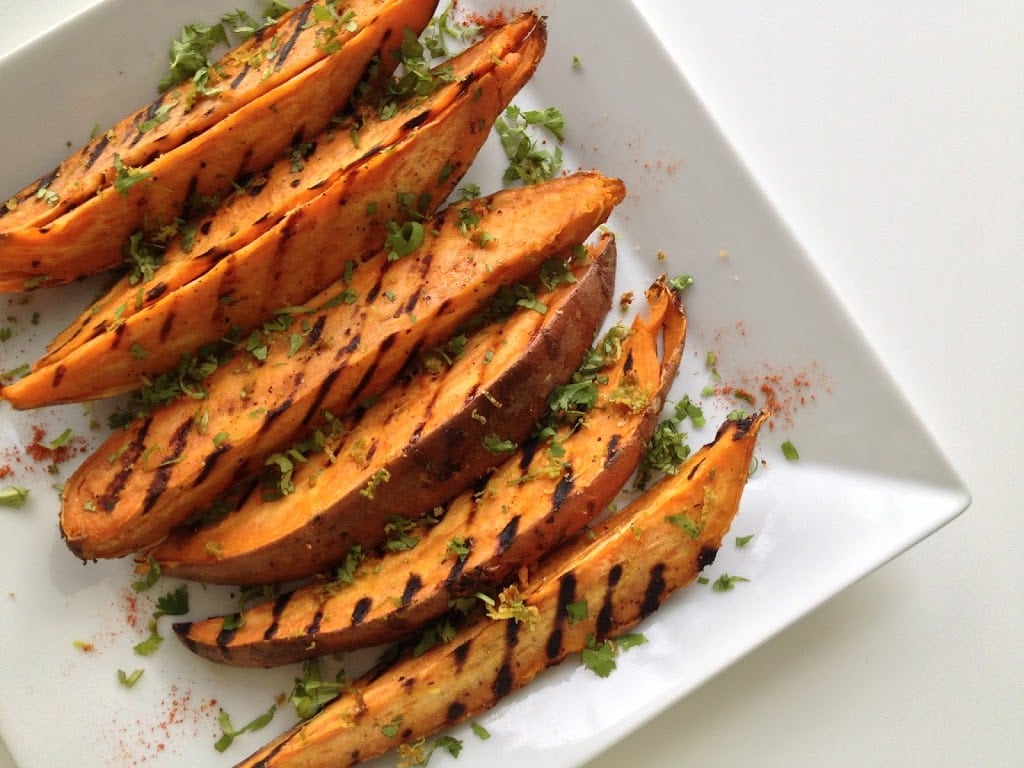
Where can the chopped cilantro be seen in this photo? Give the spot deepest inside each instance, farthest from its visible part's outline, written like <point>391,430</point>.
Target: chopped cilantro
<point>599,658</point>
<point>311,692</point>
<point>129,680</point>
<point>13,496</point>
<point>399,530</point>
<point>125,177</point>
<point>742,541</point>
<point>496,445</point>
<point>789,451</point>
<point>479,731</point>
<point>576,611</point>
<point>528,161</point>
<point>229,733</point>
<point>391,729</point>
<point>685,523</point>
<point>725,582</point>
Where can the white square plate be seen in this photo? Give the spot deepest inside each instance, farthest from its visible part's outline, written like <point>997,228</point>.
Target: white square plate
<point>870,482</point>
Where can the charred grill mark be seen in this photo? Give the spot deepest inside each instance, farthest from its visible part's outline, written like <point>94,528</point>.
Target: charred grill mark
<point>604,616</point>
<point>112,493</point>
<point>654,592</point>
<point>412,587</point>
<point>410,305</point>
<point>225,636</point>
<point>159,483</point>
<point>274,413</point>
<point>321,393</point>
<point>275,624</point>
<point>374,292</point>
<point>168,325</point>
<point>416,121</point>
<point>460,563</point>
<point>706,557</point>
<point>156,291</point>
<point>502,684</point>
<point>563,489</point>
<point>314,626</point>
<point>58,375</point>
<point>289,45</point>
<point>351,347</point>
<point>508,535</point>
<point>470,78</point>
<point>118,336</point>
<point>209,463</point>
<point>566,595</point>
<point>149,115</point>
<point>97,151</point>
<point>456,710</point>
<point>316,331</point>
<point>695,469</point>
<point>528,451</point>
<point>361,609</point>
<point>612,451</point>
<point>240,77</point>
<point>371,369</point>
<point>628,363</point>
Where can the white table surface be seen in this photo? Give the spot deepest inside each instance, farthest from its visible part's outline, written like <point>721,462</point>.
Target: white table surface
<point>891,138</point>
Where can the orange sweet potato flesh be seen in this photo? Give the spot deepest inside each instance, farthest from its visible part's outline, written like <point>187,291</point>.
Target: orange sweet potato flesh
<point>423,442</point>
<point>154,475</point>
<point>289,183</point>
<point>527,507</point>
<point>633,563</point>
<point>301,254</point>
<point>275,89</point>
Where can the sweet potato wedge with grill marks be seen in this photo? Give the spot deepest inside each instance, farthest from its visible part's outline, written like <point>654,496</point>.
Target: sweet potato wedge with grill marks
<point>306,171</point>
<point>154,475</point>
<point>635,560</point>
<point>305,251</point>
<point>275,88</point>
<point>528,506</point>
<point>424,441</point>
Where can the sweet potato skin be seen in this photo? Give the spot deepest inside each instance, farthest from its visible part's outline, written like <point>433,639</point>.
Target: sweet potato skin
<point>634,562</point>
<point>248,213</point>
<point>114,507</point>
<point>427,438</point>
<point>294,259</point>
<point>522,511</point>
<point>197,151</point>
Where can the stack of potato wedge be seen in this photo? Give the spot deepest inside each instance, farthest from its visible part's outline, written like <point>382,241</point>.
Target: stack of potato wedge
<point>351,385</point>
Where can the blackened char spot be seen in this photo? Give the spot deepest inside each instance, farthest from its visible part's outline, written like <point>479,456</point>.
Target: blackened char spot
<point>182,629</point>
<point>168,325</point>
<point>412,586</point>
<point>554,644</point>
<point>361,609</point>
<point>696,468</point>
<point>58,375</point>
<point>225,636</point>
<point>508,535</point>
<point>149,115</point>
<point>455,711</point>
<point>324,389</point>
<point>461,653</point>
<point>511,633</point>
<point>464,86</point>
<point>614,575</point>
<point>706,557</point>
<point>112,493</point>
<point>655,590</point>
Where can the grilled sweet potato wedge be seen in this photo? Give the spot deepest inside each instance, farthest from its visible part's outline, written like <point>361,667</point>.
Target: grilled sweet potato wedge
<point>423,442</point>
<point>345,149</point>
<point>529,505</point>
<point>286,83</point>
<point>635,560</point>
<point>307,249</point>
<point>154,475</point>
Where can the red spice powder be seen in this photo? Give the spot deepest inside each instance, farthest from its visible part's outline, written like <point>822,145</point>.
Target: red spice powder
<point>784,391</point>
